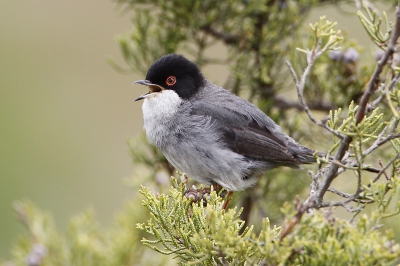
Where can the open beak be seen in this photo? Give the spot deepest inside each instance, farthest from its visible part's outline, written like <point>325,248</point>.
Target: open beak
<point>154,88</point>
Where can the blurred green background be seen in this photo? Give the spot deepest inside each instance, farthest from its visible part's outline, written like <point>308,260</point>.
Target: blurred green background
<point>65,114</point>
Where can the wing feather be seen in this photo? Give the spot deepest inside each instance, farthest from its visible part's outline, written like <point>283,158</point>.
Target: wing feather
<point>244,135</point>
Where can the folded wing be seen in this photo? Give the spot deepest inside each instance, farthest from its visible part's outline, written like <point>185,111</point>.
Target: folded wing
<point>246,136</point>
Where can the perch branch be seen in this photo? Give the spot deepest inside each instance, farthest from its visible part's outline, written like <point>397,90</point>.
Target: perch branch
<point>318,190</point>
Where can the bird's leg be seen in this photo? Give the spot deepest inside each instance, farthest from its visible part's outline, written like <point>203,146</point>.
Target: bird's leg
<point>218,188</point>
<point>228,199</point>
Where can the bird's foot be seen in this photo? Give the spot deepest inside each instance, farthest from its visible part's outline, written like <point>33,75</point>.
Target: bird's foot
<point>197,194</point>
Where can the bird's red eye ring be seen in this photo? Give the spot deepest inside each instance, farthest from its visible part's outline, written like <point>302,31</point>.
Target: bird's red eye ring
<point>171,80</point>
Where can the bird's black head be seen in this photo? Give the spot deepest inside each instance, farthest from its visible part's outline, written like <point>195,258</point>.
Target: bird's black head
<point>175,72</point>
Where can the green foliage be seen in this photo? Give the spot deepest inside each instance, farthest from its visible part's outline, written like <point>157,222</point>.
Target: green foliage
<point>256,36</point>
<point>372,25</point>
<point>254,32</point>
<point>325,35</point>
<point>83,243</point>
<point>209,235</point>
<point>184,229</point>
<point>369,129</point>
<point>196,234</point>
<point>255,47</point>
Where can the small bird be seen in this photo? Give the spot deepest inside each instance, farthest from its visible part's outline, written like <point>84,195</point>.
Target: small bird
<point>209,133</point>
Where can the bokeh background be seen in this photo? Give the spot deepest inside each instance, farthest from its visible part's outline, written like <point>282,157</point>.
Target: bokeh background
<point>66,115</point>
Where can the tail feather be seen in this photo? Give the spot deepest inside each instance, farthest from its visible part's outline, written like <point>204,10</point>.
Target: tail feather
<point>303,154</point>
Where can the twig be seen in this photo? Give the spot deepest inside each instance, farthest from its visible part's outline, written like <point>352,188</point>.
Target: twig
<point>300,84</point>
<point>355,197</point>
<point>384,172</point>
<point>385,168</point>
<point>300,88</point>
<point>344,144</point>
<point>371,106</point>
<point>347,196</point>
<point>351,164</point>
<point>341,204</point>
<point>315,199</point>
<point>380,140</point>
<point>381,63</point>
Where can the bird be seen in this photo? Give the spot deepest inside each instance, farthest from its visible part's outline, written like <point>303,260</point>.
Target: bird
<point>209,133</point>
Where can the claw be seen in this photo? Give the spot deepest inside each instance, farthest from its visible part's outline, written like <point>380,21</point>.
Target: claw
<point>196,195</point>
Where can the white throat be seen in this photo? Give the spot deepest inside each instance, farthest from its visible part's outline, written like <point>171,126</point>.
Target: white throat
<point>157,110</point>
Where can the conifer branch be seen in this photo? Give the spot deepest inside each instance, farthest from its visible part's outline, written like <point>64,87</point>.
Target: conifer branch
<point>319,188</point>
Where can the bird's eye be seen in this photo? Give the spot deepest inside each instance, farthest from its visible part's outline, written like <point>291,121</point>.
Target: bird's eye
<point>171,80</point>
